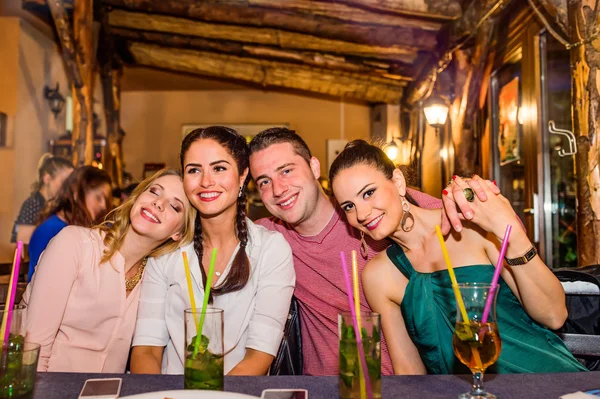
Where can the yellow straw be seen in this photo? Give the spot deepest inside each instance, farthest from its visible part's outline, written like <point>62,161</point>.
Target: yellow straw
<point>356,291</point>
<point>459,300</point>
<point>363,391</point>
<point>188,277</point>
<point>211,271</point>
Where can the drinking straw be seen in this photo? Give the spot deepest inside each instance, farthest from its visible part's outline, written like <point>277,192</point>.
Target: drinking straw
<point>211,271</point>
<point>188,277</point>
<point>10,298</point>
<point>459,299</point>
<point>363,393</point>
<point>494,286</point>
<point>361,353</point>
<point>356,291</point>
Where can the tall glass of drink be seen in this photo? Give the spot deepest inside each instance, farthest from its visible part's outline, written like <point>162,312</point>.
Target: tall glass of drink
<point>204,353</point>
<point>477,345</point>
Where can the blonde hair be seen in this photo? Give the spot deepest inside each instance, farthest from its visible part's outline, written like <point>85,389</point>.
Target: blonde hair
<point>118,221</point>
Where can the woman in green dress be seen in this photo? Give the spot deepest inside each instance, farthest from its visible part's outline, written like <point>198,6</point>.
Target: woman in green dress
<point>409,283</point>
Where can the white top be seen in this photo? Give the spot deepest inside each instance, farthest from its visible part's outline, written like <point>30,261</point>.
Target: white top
<point>254,317</point>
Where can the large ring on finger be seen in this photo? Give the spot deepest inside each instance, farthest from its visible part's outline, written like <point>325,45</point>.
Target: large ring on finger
<point>469,194</point>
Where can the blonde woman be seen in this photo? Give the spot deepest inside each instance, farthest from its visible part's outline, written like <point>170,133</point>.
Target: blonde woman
<point>83,299</point>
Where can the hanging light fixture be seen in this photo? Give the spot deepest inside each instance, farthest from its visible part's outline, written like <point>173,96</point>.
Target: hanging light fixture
<point>56,101</point>
<point>436,111</point>
<point>398,151</point>
<point>391,150</point>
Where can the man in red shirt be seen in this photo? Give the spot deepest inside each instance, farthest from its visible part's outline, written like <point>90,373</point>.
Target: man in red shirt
<point>286,175</point>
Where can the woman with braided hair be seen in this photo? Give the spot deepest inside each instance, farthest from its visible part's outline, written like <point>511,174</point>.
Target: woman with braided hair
<point>253,277</point>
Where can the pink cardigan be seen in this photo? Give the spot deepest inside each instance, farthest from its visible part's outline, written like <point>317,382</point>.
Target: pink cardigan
<point>77,308</point>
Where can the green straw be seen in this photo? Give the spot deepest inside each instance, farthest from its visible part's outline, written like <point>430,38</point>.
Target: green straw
<point>211,270</point>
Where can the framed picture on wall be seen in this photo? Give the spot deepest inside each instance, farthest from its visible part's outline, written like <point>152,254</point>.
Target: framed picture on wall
<point>509,143</point>
<point>3,129</point>
<point>334,147</point>
<point>247,130</point>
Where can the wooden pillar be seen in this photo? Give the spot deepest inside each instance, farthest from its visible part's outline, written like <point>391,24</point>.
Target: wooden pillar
<point>111,89</point>
<point>83,134</point>
<point>585,97</point>
<point>115,139</point>
<point>469,67</point>
<point>69,56</point>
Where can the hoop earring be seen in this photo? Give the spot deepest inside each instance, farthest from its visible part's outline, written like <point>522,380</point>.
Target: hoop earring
<point>364,249</point>
<point>408,221</point>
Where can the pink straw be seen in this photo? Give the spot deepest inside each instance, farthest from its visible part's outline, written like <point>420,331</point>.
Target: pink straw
<point>10,300</point>
<point>494,286</point>
<point>361,352</point>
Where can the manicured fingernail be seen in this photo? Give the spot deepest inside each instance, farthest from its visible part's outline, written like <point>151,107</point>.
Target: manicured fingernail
<point>454,177</point>
<point>468,215</point>
<point>496,184</point>
<point>458,228</point>
<point>445,192</point>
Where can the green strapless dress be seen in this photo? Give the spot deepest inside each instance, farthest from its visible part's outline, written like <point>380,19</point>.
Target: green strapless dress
<point>429,311</point>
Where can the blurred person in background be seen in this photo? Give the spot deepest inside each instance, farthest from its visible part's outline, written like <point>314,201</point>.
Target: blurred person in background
<point>83,200</point>
<point>120,195</point>
<point>51,173</point>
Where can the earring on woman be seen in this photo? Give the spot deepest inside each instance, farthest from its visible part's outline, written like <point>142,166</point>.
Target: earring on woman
<point>408,221</point>
<point>241,192</point>
<point>364,249</point>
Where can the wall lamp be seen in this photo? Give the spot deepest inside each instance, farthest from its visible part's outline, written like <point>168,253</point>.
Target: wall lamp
<point>436,111</point>
<point>56,101</point>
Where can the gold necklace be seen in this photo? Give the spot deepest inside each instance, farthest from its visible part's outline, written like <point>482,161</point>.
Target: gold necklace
<point>131,282</point>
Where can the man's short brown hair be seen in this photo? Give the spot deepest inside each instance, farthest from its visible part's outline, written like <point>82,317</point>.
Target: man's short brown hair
<point>277,135</point>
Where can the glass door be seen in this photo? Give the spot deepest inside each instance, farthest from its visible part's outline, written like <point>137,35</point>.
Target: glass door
<point>559,244</point>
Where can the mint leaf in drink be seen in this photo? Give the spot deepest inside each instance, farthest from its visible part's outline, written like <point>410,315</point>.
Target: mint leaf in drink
<point>202,346</point>
<point>363,333</point>
<point>464,333</point>
<point>376,335</point>
<point>348,333</point>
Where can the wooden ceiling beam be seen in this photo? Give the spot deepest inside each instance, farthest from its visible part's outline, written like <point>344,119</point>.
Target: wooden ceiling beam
<point>344,12</point>
<point>442,10</point>
<point>269,73</point>
<point>462,29</point>
<point>313,59</point>
<point>262,36</point>
<point>327,19</point>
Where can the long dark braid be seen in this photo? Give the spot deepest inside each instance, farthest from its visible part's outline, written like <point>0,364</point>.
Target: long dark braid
<point>236,144</point>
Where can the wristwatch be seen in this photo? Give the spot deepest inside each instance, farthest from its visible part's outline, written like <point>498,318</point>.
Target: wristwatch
<point>522,260</point>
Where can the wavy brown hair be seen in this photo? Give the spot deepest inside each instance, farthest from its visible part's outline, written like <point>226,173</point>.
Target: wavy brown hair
<point>233,142</point>
<point>71,197</point>
<point>118,221</point>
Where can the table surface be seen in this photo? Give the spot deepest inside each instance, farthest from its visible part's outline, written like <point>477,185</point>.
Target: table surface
<point>517,386</point>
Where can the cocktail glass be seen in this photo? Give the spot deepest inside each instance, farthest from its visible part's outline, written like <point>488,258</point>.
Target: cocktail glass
<point>350,380</point>
<point>204,361</point>
<point>477,345</point>
<point>18,358</point>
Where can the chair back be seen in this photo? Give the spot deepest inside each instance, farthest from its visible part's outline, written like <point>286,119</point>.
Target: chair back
<point>289,356</point>
<point>581,331</point>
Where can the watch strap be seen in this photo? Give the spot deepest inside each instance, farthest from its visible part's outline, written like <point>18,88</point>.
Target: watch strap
<point>523,260</point>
